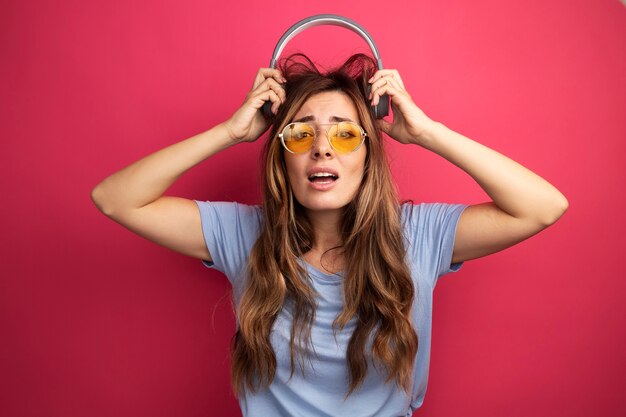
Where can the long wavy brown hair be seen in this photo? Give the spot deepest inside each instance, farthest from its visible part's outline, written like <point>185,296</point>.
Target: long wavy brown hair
<point>377,286</point>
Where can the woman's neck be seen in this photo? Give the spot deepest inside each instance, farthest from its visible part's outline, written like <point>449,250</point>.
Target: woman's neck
<point>326,229</point>
<point>327,236</point>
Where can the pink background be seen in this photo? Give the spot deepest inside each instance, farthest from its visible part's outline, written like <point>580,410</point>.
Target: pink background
<point>96,321</point>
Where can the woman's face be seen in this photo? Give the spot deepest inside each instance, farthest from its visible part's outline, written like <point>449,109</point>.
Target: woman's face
<point>317,192</point>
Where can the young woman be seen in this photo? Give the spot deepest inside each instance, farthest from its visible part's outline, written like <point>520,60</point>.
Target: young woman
<point>332,276</point>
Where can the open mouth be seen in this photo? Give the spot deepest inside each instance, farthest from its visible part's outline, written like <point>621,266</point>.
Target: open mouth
<point>323,177</point>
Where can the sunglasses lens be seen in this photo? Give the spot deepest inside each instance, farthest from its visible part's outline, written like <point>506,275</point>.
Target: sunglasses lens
<point>298,137</point>
<point>346,137</point>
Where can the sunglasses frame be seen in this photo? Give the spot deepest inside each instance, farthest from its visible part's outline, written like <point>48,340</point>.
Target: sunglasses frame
<point>316,129</point>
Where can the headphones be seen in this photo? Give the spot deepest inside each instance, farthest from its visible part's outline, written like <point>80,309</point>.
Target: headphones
<point>382,108</point>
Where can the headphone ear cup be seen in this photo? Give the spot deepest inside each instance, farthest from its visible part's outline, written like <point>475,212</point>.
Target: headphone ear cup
<point>382,108</point>
<point>267,110</point>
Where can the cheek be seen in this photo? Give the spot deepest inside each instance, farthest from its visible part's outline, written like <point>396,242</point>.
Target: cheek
<point>359,165</point>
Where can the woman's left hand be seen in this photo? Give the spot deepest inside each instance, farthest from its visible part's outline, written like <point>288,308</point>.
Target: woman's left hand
<point>410,124</point>
<point>523,202</point>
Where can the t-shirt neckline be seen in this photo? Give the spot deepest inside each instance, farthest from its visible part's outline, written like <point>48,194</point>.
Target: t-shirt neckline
<point>321,275</point>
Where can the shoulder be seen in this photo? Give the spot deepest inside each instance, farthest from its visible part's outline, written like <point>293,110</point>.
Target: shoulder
<point>229,211</point>
<point>430,230</point>
<point>230,222</point>
<point>230,230</point>
<point>424,214</point>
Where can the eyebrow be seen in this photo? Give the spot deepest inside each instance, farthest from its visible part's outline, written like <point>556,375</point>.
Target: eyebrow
<point>310,118</point>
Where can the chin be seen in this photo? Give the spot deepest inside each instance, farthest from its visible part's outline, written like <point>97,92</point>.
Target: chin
<point>326,203</point>
<point>323,207</point>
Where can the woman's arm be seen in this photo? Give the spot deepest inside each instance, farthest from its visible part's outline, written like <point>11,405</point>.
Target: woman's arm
<point>523,203</point>
<point>134,197</point>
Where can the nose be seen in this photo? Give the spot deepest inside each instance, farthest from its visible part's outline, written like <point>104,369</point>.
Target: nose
<point>321,145</point>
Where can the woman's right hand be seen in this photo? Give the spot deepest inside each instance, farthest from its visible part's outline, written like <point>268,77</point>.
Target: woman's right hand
<point>248,122</point>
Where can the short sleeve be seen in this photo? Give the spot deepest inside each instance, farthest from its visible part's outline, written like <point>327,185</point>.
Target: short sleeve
<point>230,231</point>
<point>430,230</point>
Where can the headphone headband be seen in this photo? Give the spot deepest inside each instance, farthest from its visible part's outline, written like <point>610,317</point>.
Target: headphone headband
<point>325,19</point>
<point>382,108</point>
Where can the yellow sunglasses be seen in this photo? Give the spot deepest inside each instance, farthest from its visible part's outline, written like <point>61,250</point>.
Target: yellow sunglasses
<point>344,137</point>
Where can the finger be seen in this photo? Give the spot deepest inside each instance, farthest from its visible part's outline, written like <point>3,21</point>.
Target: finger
<point>277,88</point>
<point>277,102</point>
<point>385,81</point>
<point>396,77</point>
<point>390,74</point>
<point>275,107</point>
<point>393,92</point>
<point>267,73</point>
<point>379,73</point>
<point>268,95</point>
<point>384,73</point>
<point>270,84</point>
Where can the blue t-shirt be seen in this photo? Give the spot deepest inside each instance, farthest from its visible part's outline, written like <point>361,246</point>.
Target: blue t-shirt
<point>231,229</point>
